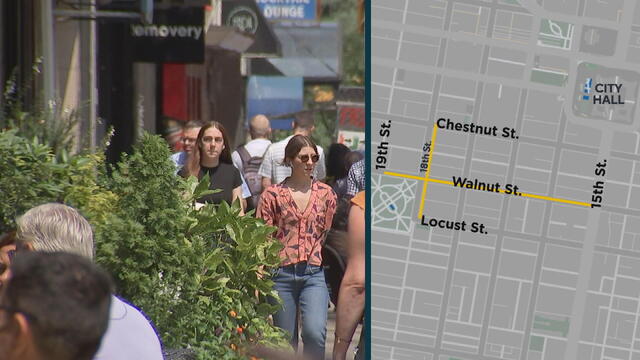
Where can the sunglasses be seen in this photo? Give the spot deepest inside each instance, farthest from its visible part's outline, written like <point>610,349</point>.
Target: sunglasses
<point>305,158</point>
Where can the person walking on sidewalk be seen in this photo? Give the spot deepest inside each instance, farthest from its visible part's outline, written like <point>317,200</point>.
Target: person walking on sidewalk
<point>248,157</point>
<point>189,144</point>
<point>273,170</point>
<point>213,157</point>
<point>189,137</point>
<point>302,209</point>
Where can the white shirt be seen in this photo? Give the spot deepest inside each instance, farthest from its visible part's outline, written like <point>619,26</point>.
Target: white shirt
<point>271,164</point>
<point>129,335</point>
<point>255,147</point>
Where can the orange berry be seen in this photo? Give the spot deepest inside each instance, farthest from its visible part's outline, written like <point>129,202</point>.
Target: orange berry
<point>232,314</point>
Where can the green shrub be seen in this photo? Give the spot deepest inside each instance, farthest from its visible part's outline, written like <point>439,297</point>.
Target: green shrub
<point>31,175</point>
<point>194,273</point>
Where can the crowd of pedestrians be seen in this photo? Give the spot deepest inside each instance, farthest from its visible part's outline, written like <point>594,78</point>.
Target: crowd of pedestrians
<point>294,188</point>
<point>289,184</point>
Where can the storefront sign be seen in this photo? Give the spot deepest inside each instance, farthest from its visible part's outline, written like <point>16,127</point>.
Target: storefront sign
<point>176,35</point>
<point>245,15</point>
<point>288,9</point>
<point>244,19</point>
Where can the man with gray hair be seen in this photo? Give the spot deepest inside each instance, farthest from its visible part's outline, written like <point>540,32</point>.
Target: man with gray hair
<point>57,227</point>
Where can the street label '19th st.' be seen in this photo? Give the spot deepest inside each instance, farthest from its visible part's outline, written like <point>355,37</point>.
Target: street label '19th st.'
<point>383,148</point>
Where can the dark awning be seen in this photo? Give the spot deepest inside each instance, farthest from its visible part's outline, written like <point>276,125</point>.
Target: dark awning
<point>229,38</point>
<point>313,52</point>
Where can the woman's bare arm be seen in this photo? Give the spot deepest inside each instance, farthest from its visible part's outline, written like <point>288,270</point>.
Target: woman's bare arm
<point>352,290</point>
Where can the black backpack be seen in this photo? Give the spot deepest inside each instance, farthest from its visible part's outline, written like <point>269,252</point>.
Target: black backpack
<point>250,167</point>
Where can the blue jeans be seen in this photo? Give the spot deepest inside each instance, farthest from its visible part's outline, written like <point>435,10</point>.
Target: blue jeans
<point>302,286</point>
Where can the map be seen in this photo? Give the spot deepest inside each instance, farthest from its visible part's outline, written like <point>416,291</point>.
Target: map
<point>505,184</point>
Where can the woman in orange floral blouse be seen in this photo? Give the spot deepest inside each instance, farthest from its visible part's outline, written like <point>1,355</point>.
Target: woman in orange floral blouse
<point>302,209</point>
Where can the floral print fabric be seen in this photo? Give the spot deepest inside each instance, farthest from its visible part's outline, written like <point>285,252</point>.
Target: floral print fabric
<point>301,231</point>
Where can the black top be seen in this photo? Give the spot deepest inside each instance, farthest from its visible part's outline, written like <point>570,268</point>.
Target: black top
<point>225,177</point>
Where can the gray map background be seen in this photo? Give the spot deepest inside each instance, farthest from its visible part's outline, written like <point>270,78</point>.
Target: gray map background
<point>549,280</point>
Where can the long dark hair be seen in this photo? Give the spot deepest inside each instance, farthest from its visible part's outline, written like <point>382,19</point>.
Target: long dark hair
<point>194,165</point>
<point>294,146</point>
<point>336,161</point>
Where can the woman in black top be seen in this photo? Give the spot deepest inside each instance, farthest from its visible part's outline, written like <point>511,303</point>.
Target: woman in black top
<point>214,158</point>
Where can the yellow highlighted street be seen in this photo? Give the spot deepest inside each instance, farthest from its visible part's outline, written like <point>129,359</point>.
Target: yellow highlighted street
<point>557,200</point>
<point>404,175</point>
<point>426,175</point>
<point>438,181</point>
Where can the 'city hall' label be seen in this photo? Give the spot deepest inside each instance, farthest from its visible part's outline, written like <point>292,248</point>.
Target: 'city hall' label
<point>603,93</point>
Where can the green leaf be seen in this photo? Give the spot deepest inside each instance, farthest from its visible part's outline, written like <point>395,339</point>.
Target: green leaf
<point>230,231</point>
<point>202,186</point>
